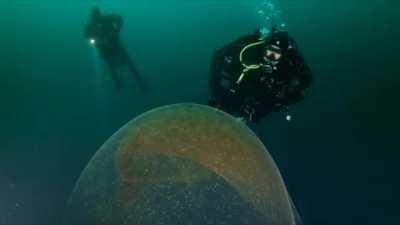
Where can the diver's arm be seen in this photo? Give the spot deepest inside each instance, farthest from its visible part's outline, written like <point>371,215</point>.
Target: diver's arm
<point>297,87</point>
<point>214,70</point>
<point>305,76</point>
<point>301,72</point>
<point>219,79</point>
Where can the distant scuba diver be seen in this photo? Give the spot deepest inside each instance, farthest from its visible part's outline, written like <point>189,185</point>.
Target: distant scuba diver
<point>103,33</point>
<point>256,75</point>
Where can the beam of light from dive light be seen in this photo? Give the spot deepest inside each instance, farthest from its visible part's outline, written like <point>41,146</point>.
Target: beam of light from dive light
<point>101,105</point>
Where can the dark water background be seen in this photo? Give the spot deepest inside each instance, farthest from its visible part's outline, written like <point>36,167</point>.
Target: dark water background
<point>339,156</point>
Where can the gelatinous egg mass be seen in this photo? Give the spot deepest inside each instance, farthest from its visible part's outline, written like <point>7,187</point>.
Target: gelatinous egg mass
<point>181,164</point>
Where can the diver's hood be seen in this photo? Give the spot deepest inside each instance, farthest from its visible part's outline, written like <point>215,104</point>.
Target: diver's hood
<point>282,40</point>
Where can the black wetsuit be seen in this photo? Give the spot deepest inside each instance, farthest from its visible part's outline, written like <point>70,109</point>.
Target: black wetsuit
<point>105,31</point>
<point>261,89</point>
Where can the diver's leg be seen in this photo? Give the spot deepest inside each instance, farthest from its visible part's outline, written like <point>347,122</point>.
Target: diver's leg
<point>114,75</point>
<point>125,59</point>
<point>131,66</point>
<point>143,85</point>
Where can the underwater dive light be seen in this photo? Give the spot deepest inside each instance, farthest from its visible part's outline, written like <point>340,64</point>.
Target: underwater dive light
<point>92,41</point>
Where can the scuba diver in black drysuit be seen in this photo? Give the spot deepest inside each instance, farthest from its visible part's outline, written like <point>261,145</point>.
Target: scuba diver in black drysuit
<point>256,75</point>
<point>103,33</point>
